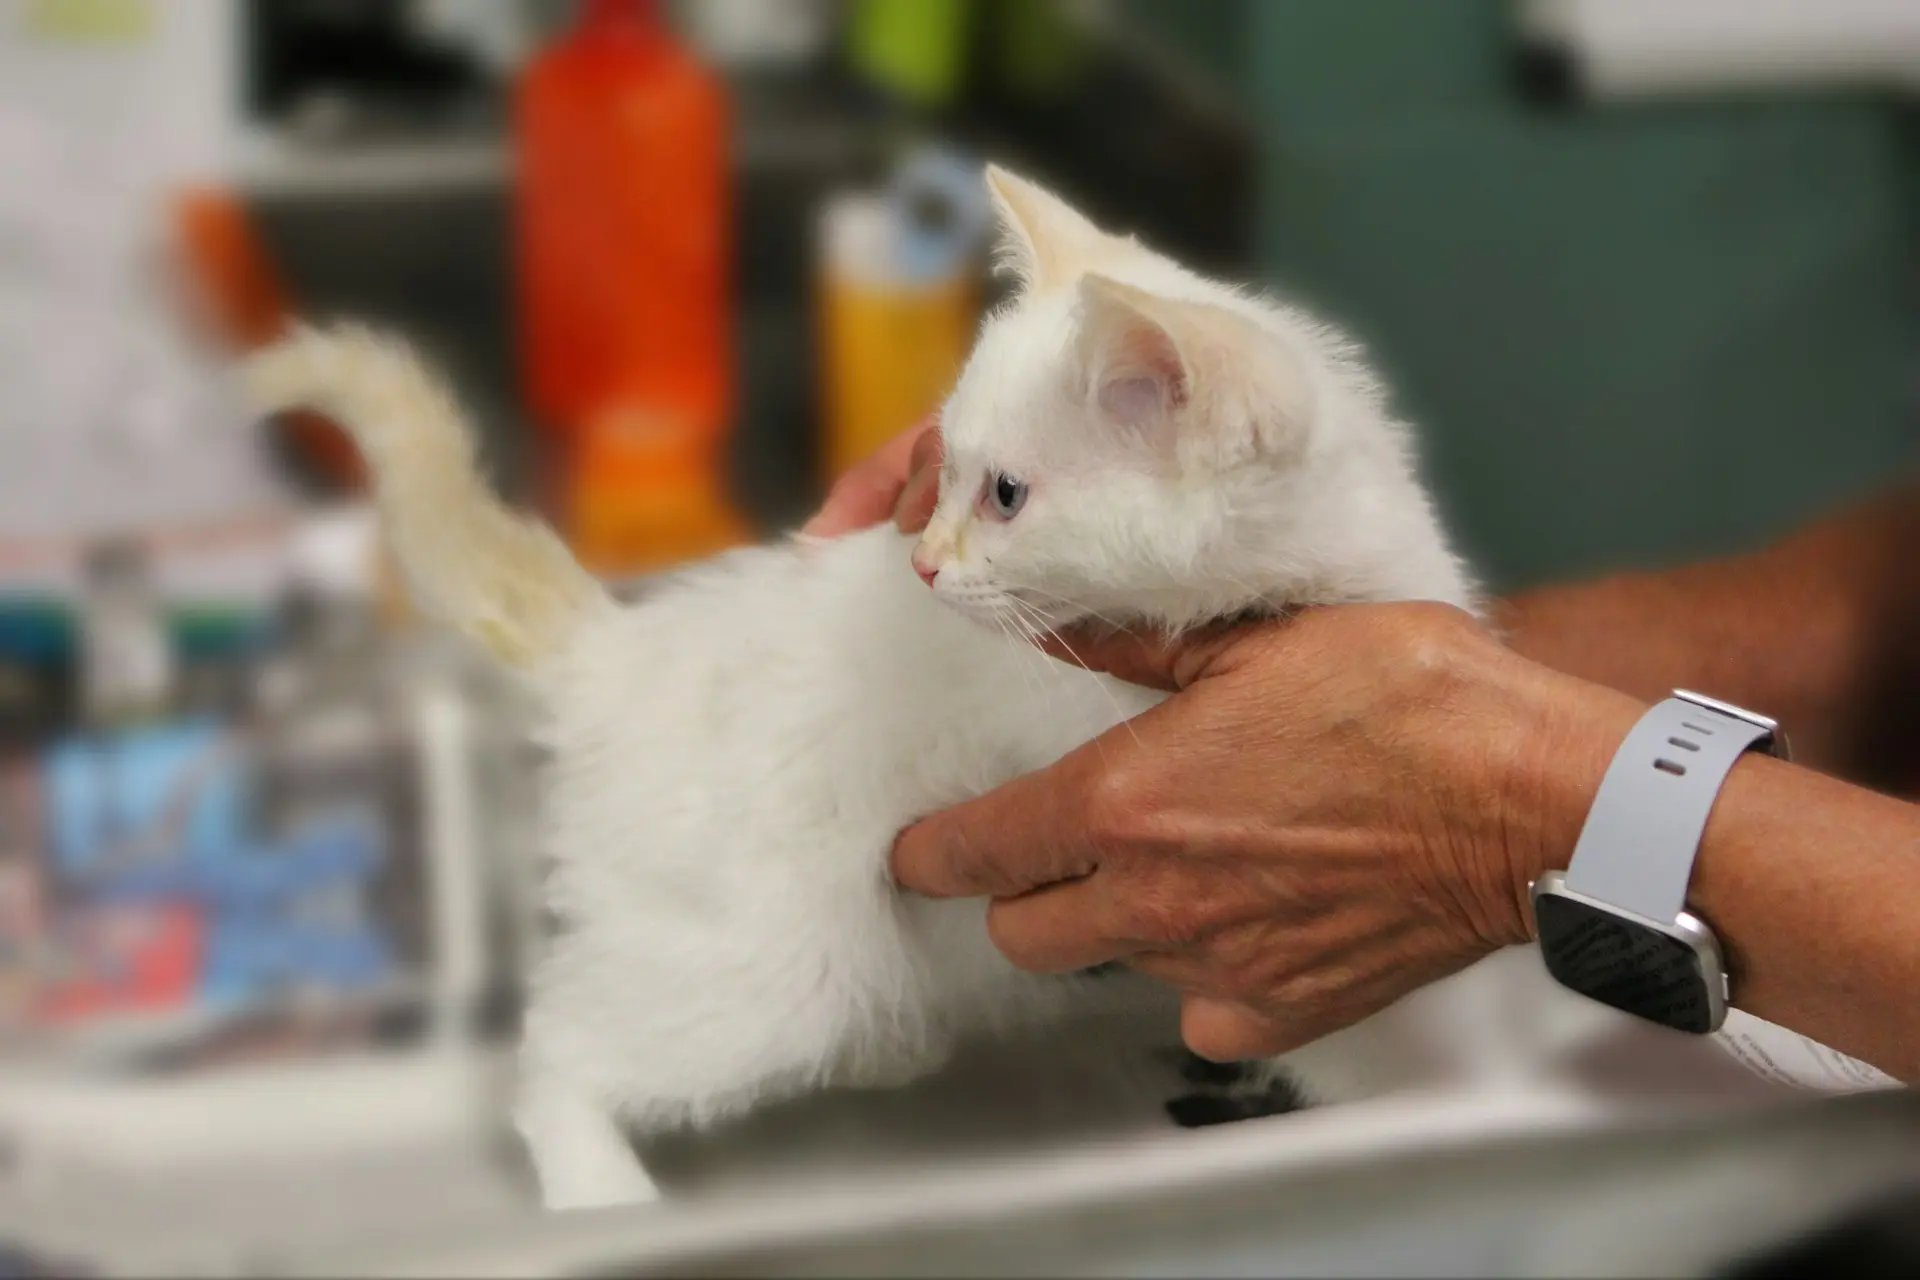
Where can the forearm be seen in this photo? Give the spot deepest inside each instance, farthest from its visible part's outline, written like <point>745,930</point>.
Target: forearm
<point>1811,884</point>
<point>1821,631</point>
<point>1813,887</point>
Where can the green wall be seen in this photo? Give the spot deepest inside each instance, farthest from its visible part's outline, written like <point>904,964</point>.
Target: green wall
<point>1629,333</point>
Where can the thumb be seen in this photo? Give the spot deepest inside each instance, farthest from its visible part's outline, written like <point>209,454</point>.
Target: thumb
<point>1152,660</point>
<point>867,493</point>
<point>1221,1031</point>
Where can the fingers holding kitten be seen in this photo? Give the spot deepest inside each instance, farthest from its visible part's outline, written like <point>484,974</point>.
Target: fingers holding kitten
<point>922,491</point>
<point>881,486</point>
<point>1028,834</point>
<point>1059,928</point>
<point>1224,1031</point>
<point>1155,661</point>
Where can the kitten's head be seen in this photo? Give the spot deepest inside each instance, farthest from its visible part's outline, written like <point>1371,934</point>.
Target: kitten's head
<point>1131,441</point>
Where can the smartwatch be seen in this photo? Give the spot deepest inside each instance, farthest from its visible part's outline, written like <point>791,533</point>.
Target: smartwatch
<point>1614,926</point>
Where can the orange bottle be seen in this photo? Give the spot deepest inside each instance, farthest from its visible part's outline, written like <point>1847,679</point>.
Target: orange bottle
<point>244,298</point>
<point>623,246</point>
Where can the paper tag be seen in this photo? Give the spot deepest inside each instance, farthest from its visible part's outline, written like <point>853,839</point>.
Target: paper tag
<point>1787,1057</point>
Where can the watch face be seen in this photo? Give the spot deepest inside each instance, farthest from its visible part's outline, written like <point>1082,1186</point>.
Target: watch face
<point>1624,964</point>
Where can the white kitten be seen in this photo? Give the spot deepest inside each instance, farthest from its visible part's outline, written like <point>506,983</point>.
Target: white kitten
<point>733,756</point>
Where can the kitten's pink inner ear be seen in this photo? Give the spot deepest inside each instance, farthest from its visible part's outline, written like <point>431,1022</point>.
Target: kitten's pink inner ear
<point>1147,356</point>
<point>1143,378</point>
<point>1132,399</point>
<point>1136,368</point>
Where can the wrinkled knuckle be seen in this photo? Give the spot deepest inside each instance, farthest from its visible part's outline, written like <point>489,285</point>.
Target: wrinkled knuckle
<point>1118,813</point>
<point>1421,648</point>
<point>1428,644</point>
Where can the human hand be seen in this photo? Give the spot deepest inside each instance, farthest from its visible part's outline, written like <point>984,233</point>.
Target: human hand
<point>901,480</point>
<point>1331,811</point>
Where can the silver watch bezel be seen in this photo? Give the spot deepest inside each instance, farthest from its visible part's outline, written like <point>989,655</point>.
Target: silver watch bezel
<point>1686,929</point>
<point>1776,740</point>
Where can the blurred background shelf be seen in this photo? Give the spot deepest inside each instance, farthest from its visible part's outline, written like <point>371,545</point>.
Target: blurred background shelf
<point>418,233</point>
<point>276,169</point>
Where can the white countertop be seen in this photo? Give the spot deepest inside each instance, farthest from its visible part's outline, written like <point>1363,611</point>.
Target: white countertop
<point>1039,1158</point>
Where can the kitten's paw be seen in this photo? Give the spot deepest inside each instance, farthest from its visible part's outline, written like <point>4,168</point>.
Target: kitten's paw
<point>601,1189</point>
<point>1226,1092</point>
<point>580,1153</point>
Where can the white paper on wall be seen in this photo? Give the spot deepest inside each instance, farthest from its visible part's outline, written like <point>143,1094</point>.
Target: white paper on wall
<point>1630,48</point>
<point>115,416</point>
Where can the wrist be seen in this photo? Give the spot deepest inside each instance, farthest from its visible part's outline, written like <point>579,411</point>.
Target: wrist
<point>1566,733</point>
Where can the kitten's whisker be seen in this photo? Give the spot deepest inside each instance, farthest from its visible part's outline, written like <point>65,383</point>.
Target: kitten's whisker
<point>1031,626</point>
<point>1006,626</point>
<point>1077,606</point>
<point>1099,682</point>
<point>1040,664</point>
<point>1020,632</point>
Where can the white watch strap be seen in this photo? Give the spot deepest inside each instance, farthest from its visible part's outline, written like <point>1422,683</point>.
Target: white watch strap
<point>1637,849</point>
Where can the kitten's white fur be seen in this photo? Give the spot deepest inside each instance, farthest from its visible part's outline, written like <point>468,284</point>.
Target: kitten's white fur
<point>733,756</point>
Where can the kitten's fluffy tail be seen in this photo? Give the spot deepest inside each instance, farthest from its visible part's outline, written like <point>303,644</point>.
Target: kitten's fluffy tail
<point>469,561</point>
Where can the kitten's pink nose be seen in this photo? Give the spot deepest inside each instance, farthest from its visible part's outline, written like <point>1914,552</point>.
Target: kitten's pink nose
<point>927,572</point>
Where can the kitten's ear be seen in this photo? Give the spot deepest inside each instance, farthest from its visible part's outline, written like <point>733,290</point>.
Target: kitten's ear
<point>1044,241</point>
<point>1210,384</point>
<point>1134,368</point>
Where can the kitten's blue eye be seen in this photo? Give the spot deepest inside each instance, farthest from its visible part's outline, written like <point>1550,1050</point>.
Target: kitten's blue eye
<point>1006,496</point>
